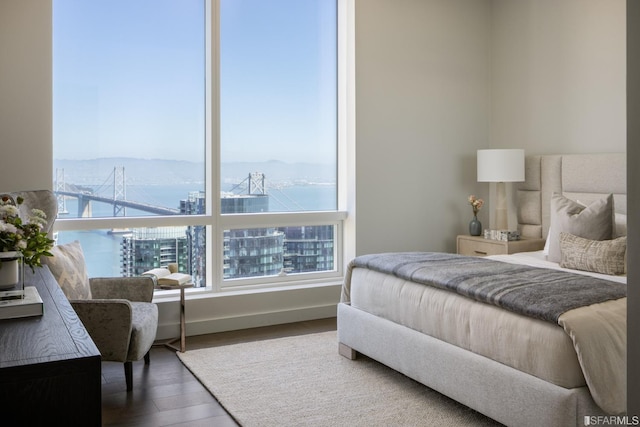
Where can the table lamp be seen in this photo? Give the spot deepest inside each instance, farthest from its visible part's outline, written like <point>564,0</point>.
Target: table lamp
<point>501,166</point>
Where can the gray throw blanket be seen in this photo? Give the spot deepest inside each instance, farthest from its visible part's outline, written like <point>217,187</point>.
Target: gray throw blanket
<point>536,292</point>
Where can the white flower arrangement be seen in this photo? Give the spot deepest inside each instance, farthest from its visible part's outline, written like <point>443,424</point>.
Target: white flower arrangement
<point>21,236</point>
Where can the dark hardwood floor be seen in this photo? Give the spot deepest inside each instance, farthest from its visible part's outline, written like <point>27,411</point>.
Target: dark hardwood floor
<point>165,393</point>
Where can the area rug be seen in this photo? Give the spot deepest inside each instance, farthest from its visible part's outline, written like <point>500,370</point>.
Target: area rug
<point>302,381</point>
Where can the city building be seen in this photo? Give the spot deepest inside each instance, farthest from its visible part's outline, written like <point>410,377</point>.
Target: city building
<point>147,248</point>
<point>308,248</point>
<point>194,204</point>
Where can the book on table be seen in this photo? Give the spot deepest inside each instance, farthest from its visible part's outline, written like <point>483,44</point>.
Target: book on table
<point>164,277</point>
<point>15,304</point>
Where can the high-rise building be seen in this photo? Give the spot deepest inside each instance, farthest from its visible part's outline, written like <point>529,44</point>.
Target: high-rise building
<point>147,248</point>
<point>253,252</point>
<point>194,204</point>
<point>244,203</point>
<point>308,248</point>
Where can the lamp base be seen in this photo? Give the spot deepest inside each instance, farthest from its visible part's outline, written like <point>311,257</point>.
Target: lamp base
<point>502,218</point>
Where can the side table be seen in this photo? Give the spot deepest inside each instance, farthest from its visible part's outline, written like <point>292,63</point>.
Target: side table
<point>182,338</point>
<point>479,246</point>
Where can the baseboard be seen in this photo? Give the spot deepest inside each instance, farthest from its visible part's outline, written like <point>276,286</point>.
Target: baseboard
<point>207,314</point>
<point>247,321</point>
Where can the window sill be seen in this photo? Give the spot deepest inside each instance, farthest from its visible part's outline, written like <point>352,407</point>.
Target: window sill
<point>161,295</point>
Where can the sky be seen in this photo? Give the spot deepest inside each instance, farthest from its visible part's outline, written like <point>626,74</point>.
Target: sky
<point>129,79</point>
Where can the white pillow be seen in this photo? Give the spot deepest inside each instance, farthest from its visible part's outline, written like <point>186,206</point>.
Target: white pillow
<point>621,225</point>
<point>594,222</point>
<point>545,250</point>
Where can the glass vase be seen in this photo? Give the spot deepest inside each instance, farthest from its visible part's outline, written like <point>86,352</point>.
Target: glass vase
<point>11,271</point>
<point>475,226</point>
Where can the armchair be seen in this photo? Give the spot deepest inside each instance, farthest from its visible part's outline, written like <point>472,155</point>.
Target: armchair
<point>117,312</point>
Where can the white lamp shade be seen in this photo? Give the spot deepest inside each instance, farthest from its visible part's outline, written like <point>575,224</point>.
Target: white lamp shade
<point>501,165</point>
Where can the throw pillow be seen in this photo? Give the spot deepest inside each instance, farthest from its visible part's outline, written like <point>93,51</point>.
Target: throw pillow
<point>69,269</point>
<point>593,222</point>
<point>598,256</point>
<point>620,225</point>
<point>545,250</point>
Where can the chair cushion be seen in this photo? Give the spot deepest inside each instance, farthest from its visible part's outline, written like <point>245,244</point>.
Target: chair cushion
<point>143,329</point>
<point>69,269</point>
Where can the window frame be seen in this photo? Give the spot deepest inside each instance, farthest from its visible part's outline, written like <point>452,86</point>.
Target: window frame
<point>214,221</point>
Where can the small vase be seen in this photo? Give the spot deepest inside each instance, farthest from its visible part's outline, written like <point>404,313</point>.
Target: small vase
<point>475,227</point>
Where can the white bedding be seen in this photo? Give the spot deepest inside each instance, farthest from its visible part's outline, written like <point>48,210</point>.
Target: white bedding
<point>598,333</point>
<point>539,348</point>
<point>538,259</point>
<point>533,346</point>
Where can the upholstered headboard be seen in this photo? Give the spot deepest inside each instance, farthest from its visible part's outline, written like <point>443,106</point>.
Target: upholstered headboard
<point>583,177</point>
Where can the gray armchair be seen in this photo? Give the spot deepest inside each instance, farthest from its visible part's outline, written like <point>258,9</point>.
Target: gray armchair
<point>121,319</point>
<point>117,312</point>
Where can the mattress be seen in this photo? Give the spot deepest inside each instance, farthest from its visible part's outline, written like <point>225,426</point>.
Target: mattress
<point>533,346</point>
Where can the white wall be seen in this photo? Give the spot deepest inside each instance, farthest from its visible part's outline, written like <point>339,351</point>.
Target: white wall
<point>422,111</point>
<point>558,78</point>
<point>558,74</point>
<point>25,95</point>
<point>437,80</point>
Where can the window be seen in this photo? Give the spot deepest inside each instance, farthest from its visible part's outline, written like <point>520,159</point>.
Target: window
<point>278,99</point>
<point>230,171</point>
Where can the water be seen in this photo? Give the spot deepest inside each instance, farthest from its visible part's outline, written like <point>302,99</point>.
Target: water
<point>285,199</point>
<point>101,251</point>
<point>102,247</point>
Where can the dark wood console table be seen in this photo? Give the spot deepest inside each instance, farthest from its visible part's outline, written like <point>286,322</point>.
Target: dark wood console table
<point>50,369</point>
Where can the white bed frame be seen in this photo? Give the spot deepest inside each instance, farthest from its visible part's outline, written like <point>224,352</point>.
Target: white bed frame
<point>505,394</point>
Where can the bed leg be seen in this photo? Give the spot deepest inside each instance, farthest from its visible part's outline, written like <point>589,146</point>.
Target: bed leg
<point>346,351</point>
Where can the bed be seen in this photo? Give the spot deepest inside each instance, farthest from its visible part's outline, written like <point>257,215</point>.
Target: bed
<point>515,357</point>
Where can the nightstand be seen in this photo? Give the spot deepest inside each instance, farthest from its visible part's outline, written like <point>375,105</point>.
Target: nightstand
<point>479,246</point>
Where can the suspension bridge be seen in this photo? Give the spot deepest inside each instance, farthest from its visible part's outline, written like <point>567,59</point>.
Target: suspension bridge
<point>112,191</point>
